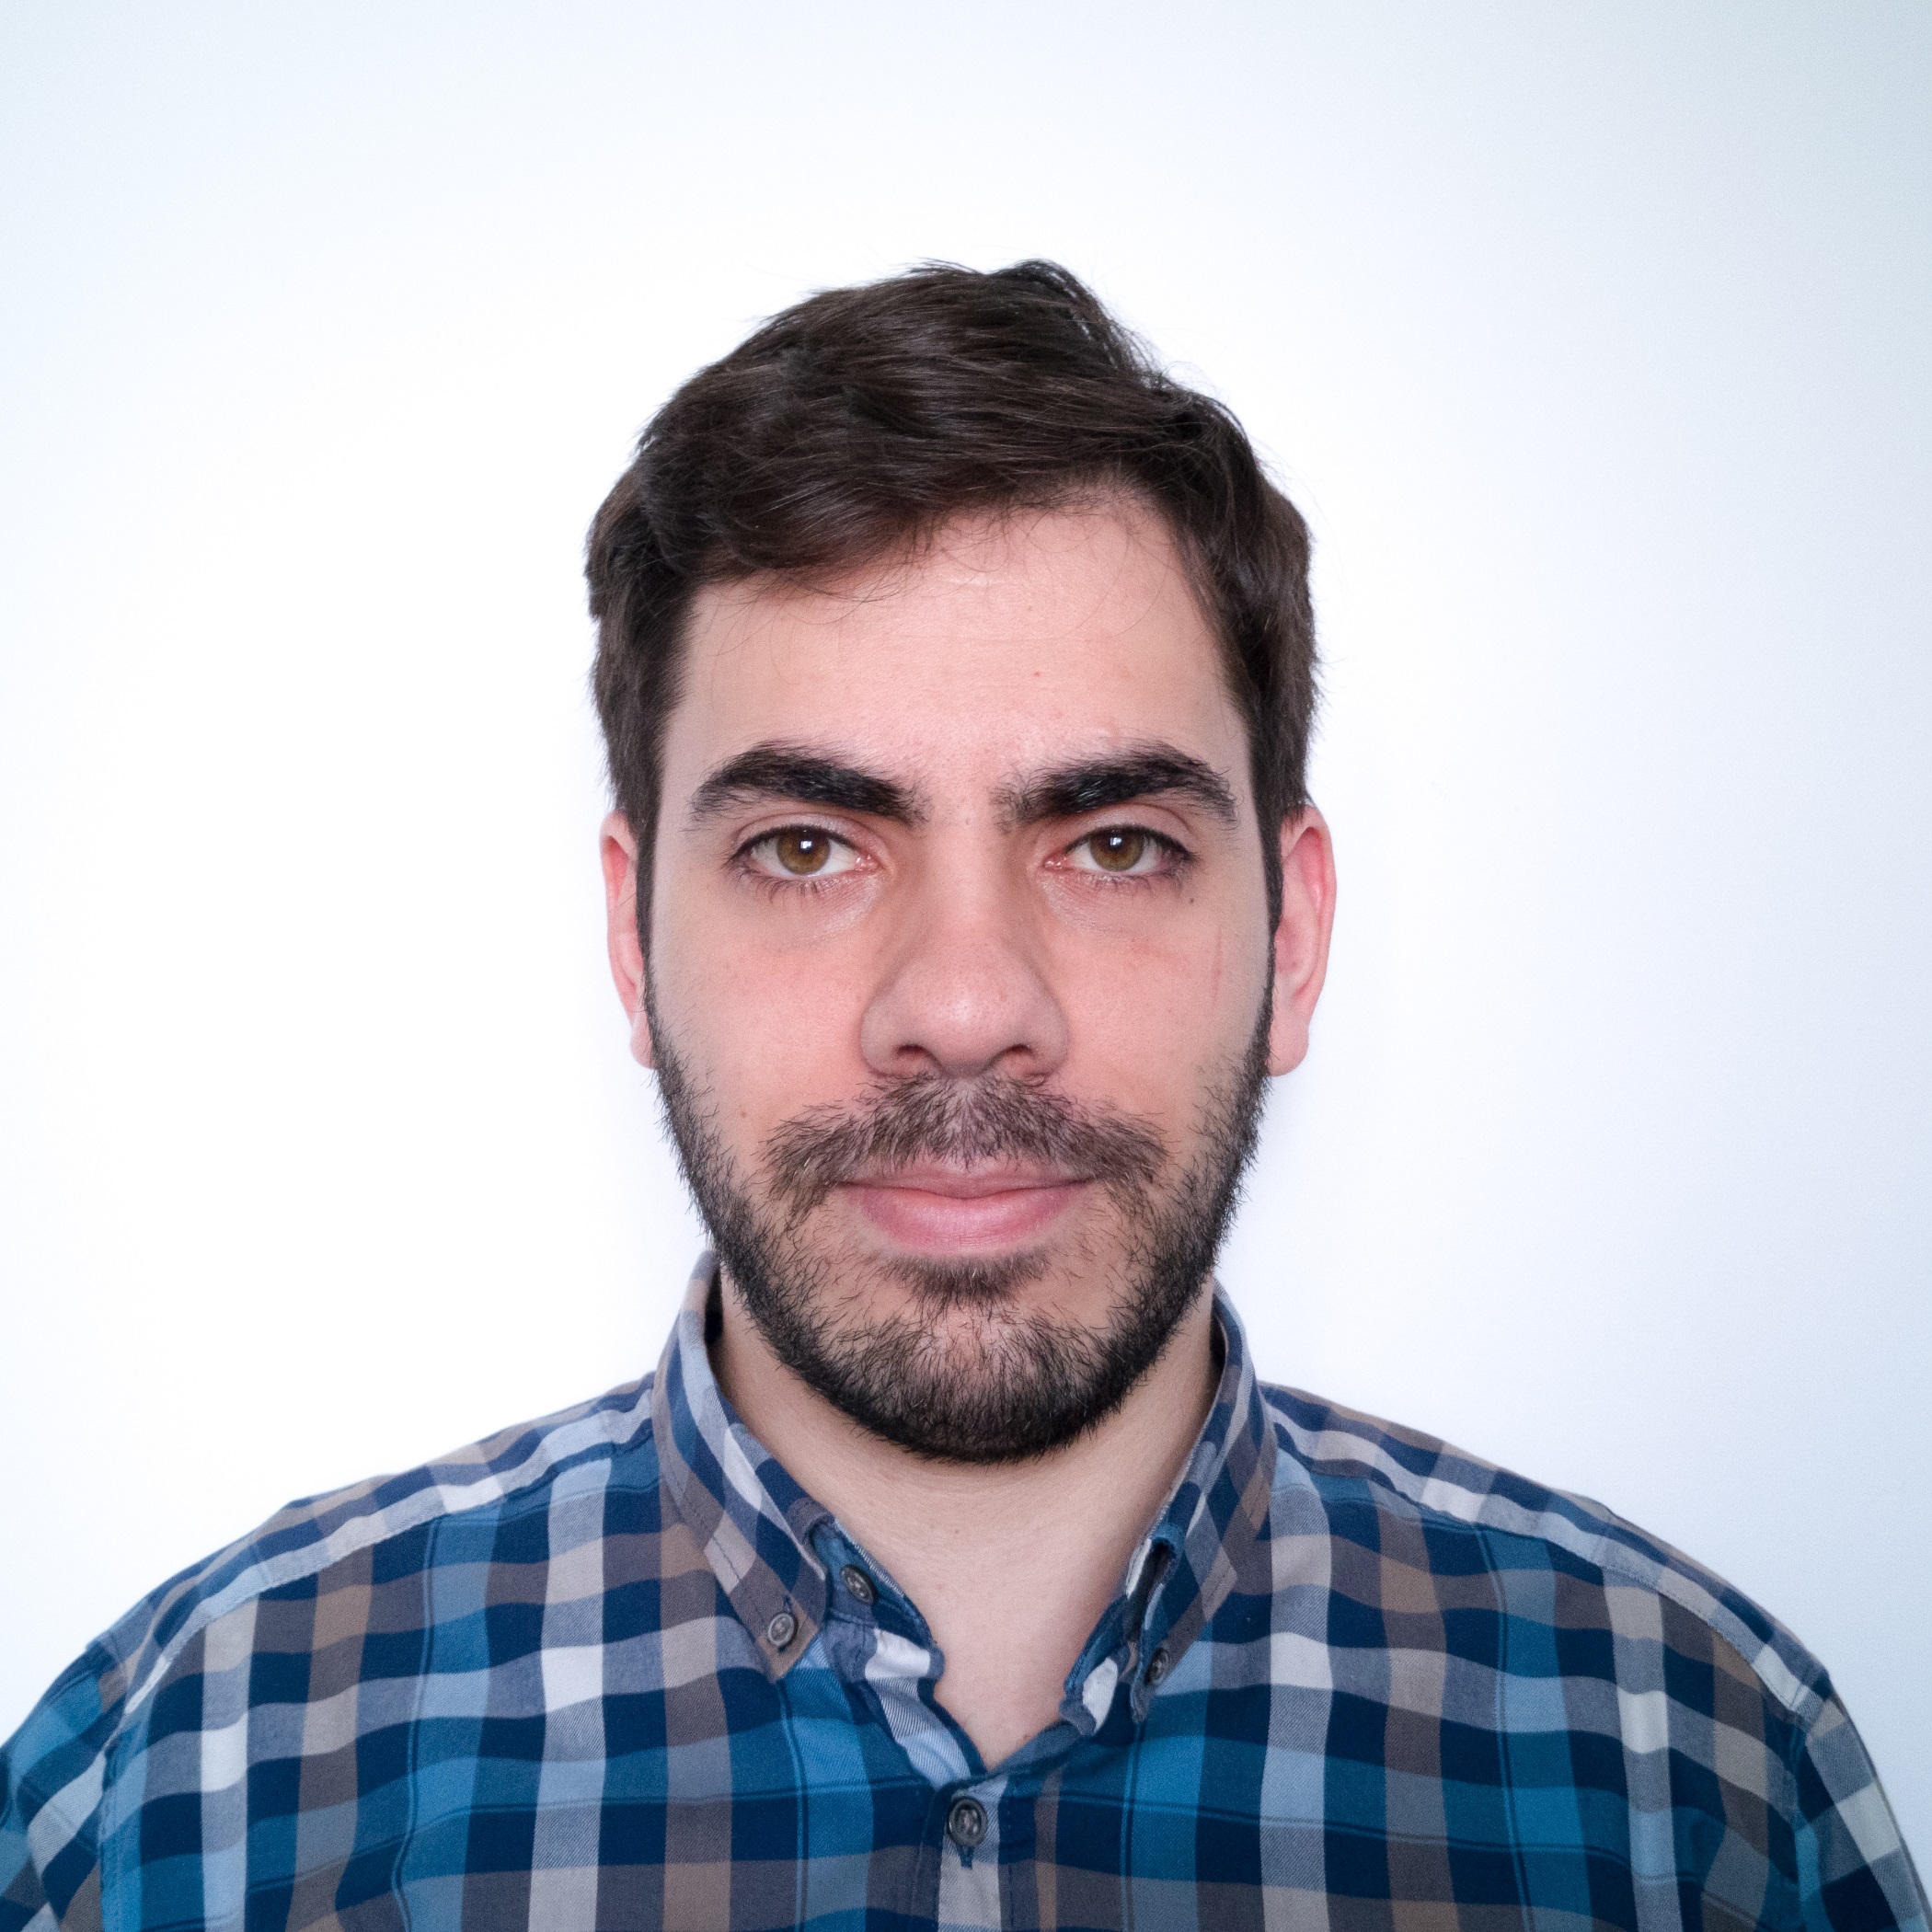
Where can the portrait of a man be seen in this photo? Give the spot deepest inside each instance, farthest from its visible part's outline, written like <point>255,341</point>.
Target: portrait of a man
<point>955,1566</point>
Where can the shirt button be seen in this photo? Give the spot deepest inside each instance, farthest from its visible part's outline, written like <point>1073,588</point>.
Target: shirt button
<point>782,1629</point>
<point>858,1582</point>
<point>966,1822</point>
<point>1156,1668</point>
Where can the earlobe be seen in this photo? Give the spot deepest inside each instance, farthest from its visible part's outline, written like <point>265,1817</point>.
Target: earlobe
<point>1301,939</point>
<point>1287,1037</point>
<point>618,851</point>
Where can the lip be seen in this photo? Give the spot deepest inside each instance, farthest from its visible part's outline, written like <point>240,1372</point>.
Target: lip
<point>953,1209</point>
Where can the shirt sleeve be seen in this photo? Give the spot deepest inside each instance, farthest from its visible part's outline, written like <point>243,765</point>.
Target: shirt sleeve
<point>52,1777</point>
<point>1854,1872</point>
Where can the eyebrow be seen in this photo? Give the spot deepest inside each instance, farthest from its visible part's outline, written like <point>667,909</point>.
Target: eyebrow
<point>797,771</point>
<point>1093,784</point>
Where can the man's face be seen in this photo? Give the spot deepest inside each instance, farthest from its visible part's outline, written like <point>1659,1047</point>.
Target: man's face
<point>960,975</point>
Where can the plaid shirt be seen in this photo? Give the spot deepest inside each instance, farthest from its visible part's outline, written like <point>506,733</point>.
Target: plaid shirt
<point>616,1669</point>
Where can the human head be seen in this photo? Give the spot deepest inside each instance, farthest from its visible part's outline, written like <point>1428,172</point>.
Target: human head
<point>862,419</point>
<point>950,803</point>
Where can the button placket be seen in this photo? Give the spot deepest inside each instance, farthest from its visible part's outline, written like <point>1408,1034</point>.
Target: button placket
<point>969,1862</point>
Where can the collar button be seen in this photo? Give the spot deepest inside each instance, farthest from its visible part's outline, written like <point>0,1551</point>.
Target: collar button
<point>966,1822</point>
<point>859,1586</point>
<point>1157,1668</point>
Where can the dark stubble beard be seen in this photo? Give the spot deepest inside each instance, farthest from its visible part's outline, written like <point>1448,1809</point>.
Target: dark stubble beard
<point>967,1376</point>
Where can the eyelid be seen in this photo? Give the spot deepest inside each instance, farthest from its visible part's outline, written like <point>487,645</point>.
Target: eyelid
<point>744,854</point>
<point>818,827</point>
<point>1165,840</point>
<point>1170,848</point>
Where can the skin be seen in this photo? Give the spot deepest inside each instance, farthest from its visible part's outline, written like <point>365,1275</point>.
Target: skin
<point>978,931</point>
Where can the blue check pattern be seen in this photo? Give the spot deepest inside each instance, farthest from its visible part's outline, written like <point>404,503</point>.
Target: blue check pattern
<point>618,1669</point>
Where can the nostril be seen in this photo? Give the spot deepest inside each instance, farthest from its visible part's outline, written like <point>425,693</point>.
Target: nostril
<point>965,1012</point>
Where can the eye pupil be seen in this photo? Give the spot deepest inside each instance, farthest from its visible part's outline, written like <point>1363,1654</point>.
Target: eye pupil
<point>1119,851</point>
<point>802,852</point>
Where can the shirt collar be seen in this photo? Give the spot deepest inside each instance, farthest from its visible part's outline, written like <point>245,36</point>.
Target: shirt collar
<point>755,1524</point>
<point>1206,1539</point>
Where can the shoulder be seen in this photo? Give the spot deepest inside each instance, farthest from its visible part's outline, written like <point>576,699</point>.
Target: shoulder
<point>505,1475</point>
<point>57,1763</point>
<point>1367,1472</point>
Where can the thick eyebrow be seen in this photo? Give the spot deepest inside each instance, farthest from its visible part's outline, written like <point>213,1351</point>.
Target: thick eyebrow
<point>797,771</point>
<point>1093,784</point>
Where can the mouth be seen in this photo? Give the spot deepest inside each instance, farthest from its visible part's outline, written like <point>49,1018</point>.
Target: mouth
<point>941,1210</point>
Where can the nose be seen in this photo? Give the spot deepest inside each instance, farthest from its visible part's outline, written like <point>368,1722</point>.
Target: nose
<point>965,988</point>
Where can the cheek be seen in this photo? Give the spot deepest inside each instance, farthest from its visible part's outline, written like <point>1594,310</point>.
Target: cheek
<point>1150,1022</point>
<point>766,1034</point>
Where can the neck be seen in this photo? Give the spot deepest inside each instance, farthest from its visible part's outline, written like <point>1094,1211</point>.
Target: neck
<point>1011,1564</point>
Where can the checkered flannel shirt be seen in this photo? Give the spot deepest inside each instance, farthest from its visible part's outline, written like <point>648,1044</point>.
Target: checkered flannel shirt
<point>617,1669</point>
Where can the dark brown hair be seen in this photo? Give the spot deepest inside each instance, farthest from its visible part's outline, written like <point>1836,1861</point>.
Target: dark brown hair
<point>863,418</point>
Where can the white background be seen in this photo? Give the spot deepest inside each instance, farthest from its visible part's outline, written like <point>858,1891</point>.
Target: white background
<point>1597,343</point>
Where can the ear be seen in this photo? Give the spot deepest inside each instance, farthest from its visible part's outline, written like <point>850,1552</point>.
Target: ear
<point>1301,941</point>
<point>618,849</point>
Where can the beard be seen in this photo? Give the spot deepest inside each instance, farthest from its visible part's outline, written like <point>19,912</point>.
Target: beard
<point>968,1374</point>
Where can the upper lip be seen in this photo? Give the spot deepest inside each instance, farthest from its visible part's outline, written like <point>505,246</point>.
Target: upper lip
<point>966,1183</point>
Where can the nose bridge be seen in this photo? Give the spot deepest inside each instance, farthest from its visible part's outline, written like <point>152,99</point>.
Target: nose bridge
<point>965,986</point>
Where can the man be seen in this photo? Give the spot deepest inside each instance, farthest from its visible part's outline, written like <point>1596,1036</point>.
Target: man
<point>957,673</point>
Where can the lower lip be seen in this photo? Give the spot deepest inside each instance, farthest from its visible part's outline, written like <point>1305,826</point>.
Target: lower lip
<point>919,1218</point>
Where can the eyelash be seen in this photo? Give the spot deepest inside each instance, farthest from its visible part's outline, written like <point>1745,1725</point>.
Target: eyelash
<point>1178,859</point>
<point>770,882</point>
<point>1178,855</point>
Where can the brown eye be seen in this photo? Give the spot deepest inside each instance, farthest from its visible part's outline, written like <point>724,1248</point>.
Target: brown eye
<point>1119,850</point>
<point>800,850</point>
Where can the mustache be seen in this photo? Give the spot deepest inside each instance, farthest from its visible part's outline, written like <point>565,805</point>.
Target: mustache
<point>933,1117</point>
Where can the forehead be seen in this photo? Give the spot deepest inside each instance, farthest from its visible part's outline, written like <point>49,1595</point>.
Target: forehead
<point>1003,643</point>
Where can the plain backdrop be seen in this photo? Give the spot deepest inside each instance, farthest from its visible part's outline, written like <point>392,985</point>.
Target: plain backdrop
<point>1596,342</point>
